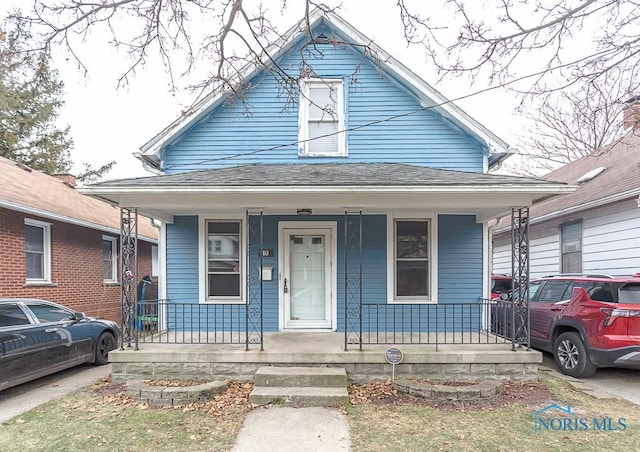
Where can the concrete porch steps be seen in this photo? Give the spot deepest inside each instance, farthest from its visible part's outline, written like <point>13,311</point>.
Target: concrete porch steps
<point>300,386</point>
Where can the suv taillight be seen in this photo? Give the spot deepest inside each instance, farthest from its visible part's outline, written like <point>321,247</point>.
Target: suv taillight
<point>612,314</point>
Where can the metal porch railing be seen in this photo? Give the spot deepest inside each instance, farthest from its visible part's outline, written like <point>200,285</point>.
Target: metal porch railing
<point>484,322</point>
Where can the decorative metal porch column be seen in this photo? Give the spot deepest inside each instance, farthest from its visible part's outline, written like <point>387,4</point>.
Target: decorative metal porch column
<point>255,291</point>
<point>128,275</point>
<point>352,278</point>
<point>520,326</point>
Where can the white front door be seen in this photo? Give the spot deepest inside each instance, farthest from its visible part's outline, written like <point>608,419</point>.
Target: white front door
<point>307,279</point>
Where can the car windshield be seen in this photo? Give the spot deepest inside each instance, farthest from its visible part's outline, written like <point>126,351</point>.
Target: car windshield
<point>629,293</point>
<point>501,285</point>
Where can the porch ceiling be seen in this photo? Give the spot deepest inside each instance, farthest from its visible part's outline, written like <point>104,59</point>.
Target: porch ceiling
<point>327,188</point>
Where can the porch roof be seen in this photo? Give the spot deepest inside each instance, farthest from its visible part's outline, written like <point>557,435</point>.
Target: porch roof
<point>327,186</point>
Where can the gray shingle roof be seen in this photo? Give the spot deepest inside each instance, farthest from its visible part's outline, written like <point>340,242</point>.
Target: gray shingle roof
<point>622,174</point>
<point>24,188</point>
<point>325,174</point>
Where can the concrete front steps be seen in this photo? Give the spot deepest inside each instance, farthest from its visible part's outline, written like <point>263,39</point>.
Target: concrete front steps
<point>300,386</point>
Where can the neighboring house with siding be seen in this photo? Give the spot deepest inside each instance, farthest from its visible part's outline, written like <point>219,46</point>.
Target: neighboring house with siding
<point>59,245</point>
<point>596,229</point>
<point>372,189</point>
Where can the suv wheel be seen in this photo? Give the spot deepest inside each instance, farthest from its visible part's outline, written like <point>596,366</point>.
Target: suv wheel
<point>571,356</point>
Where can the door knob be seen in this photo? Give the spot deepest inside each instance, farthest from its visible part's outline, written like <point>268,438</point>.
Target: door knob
<point>286,289</point>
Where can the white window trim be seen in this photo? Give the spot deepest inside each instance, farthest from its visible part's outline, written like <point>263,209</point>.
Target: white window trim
<point>202,259</point>
<point>114,260</point>
<point>303,118</point>
<point>562,241</point>
<point>46,228</point>
<point>433,258</point>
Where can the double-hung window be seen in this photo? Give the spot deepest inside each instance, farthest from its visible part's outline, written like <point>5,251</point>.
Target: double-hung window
<point>37,245</point>
<point>224,260</point>
<point>109,259</point>
<point>321,122</point>
<point>571,247</point>
<point>411,266</point>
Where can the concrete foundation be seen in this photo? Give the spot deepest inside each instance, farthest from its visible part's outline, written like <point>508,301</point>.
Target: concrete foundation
<point>208,362</point>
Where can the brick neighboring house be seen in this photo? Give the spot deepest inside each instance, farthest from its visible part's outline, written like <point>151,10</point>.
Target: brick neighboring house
<point>59,245</point>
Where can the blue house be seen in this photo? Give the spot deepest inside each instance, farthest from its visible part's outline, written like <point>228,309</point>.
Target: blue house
<point>360,206</point>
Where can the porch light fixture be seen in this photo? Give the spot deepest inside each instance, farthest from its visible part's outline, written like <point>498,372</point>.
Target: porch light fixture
<point>304,212</point>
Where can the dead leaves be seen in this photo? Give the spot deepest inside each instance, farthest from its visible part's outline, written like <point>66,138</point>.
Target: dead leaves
<point>368,392</point>
<point>234,399</point>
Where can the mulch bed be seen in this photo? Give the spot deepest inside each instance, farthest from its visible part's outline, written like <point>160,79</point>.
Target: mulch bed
<point>236,397</point>
<point>524,394</point>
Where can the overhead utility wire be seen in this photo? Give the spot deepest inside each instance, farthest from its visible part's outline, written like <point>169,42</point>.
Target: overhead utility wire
<point>379,121</point>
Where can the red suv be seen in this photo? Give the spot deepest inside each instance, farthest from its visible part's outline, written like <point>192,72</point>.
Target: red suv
<point>587,321</point>
<point>500,284</point>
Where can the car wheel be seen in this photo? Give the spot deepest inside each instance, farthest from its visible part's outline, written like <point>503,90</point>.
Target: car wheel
<point>106,343</point>
<point>571,356</point>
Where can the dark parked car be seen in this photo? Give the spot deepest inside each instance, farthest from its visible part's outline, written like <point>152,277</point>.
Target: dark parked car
<point>38,338</point>
<point>587,321</point>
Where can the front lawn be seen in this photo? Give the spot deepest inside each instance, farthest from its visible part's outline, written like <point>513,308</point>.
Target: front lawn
<point>102,418</point>
<point>506,423</point>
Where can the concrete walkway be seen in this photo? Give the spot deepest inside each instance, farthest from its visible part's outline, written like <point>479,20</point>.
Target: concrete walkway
<point>284,429</point>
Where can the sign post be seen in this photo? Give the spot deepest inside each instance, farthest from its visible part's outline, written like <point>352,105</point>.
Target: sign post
<point>393,356</point>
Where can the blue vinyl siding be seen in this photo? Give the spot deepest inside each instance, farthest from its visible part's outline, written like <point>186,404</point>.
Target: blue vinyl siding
<point>459,267</point>
<point>182,260</point>
<point>459,283</point>
<point>268,130</point>
<point>459,259</point>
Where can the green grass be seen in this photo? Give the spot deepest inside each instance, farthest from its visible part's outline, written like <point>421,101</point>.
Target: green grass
<point>88,421</point>
<point>510,428</point>
<point>77,422</point>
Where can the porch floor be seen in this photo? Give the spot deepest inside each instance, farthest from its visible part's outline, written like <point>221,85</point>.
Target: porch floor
<point>453,361</point>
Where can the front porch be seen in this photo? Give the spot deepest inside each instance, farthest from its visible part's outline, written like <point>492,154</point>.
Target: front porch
<point>493,359</point>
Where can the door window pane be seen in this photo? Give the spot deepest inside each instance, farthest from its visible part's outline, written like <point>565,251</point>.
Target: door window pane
<point>307,289</point>
<point>11,315</point>
<point>47,313</point>
<point>554,291</point>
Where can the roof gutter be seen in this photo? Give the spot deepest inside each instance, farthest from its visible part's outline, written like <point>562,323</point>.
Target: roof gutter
<point>589,205</point>
<point>132,190</point>
<point>149,163</point>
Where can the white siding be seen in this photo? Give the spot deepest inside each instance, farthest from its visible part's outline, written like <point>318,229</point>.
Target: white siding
<point>611,239</point>
<point>502,259</point>
<point>544,258</point>
<point>610,243</point>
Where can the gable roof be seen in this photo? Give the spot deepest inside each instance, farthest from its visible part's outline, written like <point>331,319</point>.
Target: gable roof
<point>618,181</point>
<point>429,97</point>
<point>26,190</point>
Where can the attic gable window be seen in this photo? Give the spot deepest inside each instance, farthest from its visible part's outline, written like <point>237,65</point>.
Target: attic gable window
<point>321,119</point>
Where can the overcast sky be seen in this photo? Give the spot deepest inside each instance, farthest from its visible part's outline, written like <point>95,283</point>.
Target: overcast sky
<point>110,124</point>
